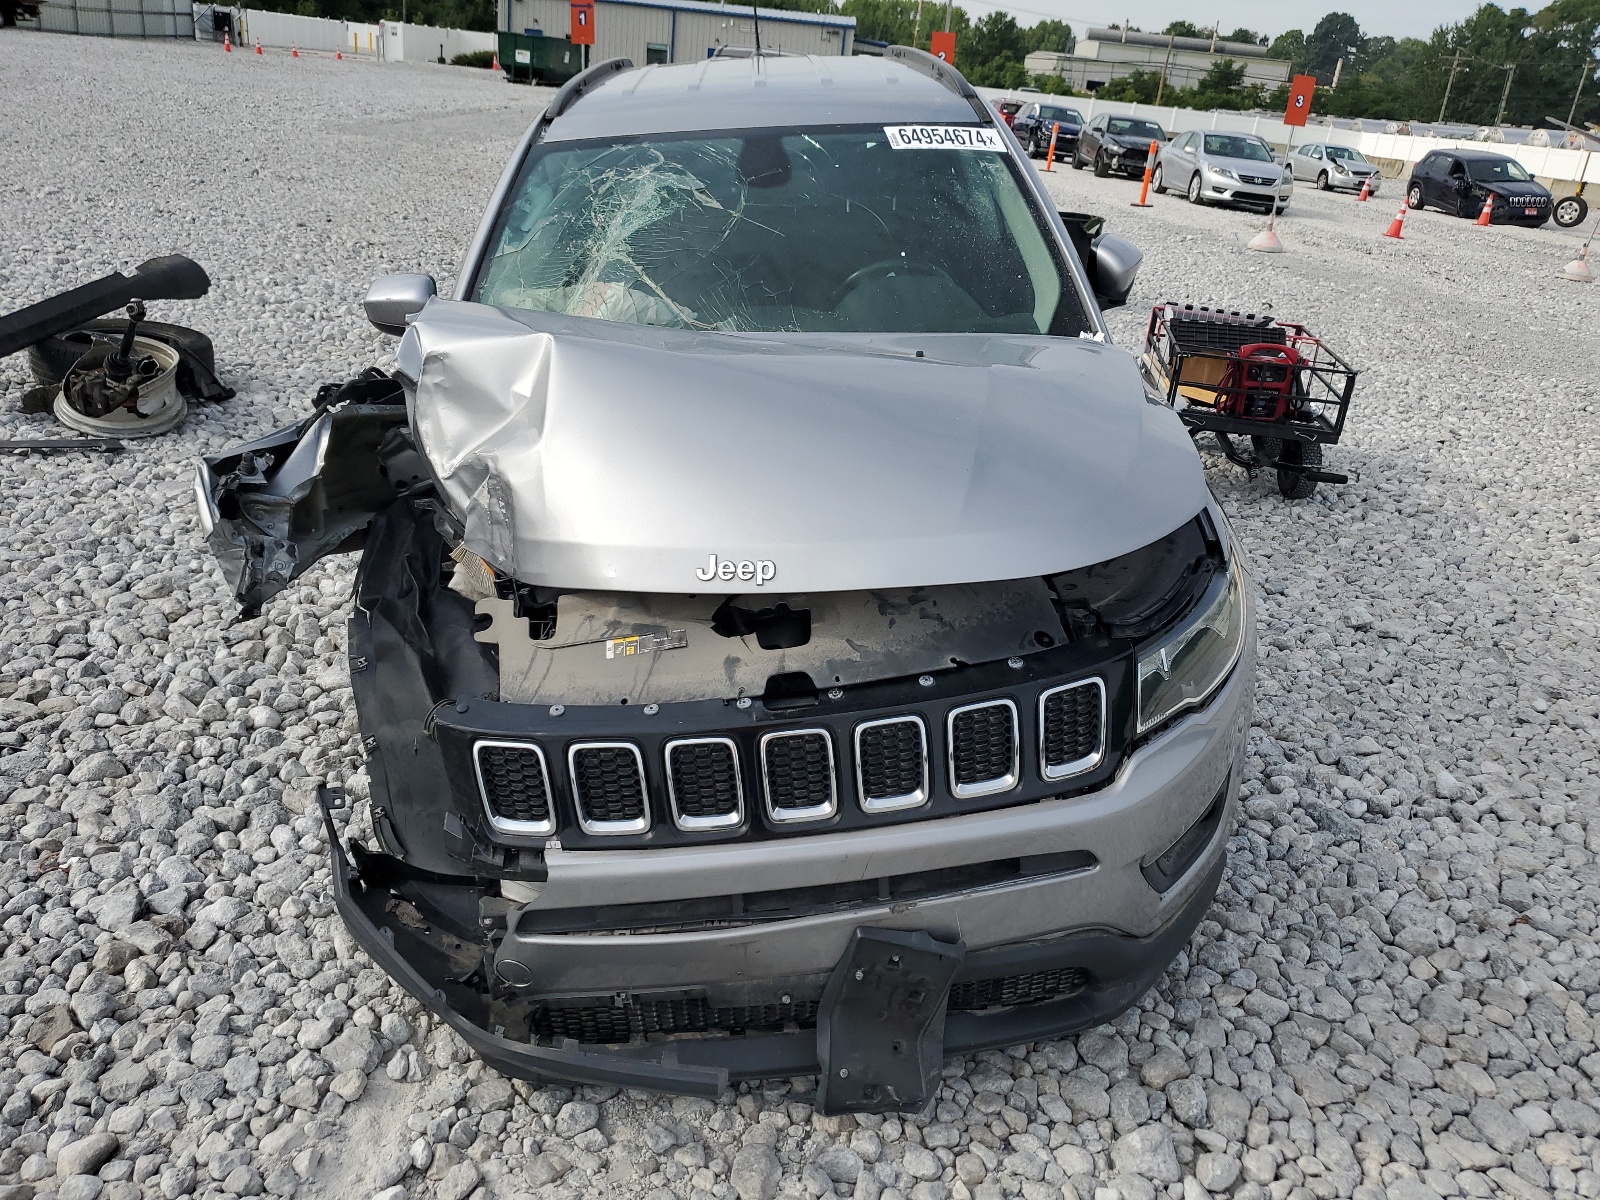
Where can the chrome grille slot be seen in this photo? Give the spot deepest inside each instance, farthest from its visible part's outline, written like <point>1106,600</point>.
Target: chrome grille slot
<point>1072,728</point>
<point>797,773</point>
<point>609,788</point>
<point>703,783</point>
<point>983,749</point>
<point>515,785</point>
<point>891,764</point>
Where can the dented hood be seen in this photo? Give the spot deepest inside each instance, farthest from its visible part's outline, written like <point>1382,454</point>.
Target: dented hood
<point>587,454</point>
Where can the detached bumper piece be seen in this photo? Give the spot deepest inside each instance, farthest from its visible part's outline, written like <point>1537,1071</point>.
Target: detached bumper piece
<point>880,1033</point>
<point>875,1029</point>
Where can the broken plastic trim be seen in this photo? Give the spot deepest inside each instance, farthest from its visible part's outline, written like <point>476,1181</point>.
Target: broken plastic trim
<point>273,507</point>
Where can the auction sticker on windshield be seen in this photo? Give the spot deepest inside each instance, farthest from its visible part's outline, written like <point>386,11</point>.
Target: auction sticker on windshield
<point>943,137</point>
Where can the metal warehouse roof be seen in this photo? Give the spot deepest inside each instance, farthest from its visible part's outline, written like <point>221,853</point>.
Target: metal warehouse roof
<point>742,10</point>
<point>751,93</point>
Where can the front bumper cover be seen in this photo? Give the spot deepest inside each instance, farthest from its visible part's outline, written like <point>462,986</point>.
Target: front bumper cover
<point>439,962</point>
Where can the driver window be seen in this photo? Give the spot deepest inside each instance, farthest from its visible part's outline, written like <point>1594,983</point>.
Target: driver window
<point>1316,152</point>
<point>1456,168</point>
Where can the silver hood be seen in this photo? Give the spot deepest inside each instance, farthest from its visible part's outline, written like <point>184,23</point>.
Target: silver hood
<point>593,455</point>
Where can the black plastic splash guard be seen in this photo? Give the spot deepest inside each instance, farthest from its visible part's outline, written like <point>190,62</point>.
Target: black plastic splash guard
<point>880,1029</point>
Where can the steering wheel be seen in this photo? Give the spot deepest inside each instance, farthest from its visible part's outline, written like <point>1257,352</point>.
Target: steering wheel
<point>885,267</point>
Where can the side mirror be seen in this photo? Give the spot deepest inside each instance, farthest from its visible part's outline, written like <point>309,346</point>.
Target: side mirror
<point>1459,182</point>
<point>1112,262</point>
<point>1117,263</point>
<point>393,298</point>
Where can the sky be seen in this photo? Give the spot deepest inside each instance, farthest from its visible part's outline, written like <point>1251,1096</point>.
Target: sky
<point>1418,18</point>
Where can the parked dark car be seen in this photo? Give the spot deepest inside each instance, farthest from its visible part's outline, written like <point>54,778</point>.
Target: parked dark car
<point>1033,127</point>
<point>1120,144</point>
<point>1456,181</point>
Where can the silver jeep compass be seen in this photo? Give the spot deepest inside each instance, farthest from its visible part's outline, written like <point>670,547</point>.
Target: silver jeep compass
<point>788,640</point>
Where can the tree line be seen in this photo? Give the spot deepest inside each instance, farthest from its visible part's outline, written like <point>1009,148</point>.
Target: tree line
<point>1549,56</point>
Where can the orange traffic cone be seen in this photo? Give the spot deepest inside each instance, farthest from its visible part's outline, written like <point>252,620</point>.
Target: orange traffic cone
<point>1487,210</point>
<point>494,64</point>
<point>227,44</point>
<point>258,46</point>
<point>294,50</point>
<point>339,55</point>
<point>1365,192</point>
<point>1397,224</point>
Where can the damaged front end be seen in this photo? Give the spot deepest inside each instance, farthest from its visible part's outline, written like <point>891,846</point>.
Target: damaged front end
<point>667,841</point>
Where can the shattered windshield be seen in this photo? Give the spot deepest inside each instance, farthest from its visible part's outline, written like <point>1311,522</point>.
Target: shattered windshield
<point>781,231</point>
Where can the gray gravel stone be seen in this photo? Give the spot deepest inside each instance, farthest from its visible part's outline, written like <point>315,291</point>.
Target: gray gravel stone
<point>576,1117</point>
<point>1498,1127</point>
<point>86,1155</point>
<point>1148,1153</point>
<point>458,1181</point>
<point>755,1172</point>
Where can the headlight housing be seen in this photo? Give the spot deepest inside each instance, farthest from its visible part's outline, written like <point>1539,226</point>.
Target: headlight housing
<point>1185,668</point>
<point>1225,173</point>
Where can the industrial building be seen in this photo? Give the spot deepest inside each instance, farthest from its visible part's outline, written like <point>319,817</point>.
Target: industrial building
<point>676,31</point>
<point>1106,54</point>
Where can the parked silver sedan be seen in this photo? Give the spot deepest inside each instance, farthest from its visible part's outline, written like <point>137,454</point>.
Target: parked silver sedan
<point>1223,168</point>
<point>1332,167</point>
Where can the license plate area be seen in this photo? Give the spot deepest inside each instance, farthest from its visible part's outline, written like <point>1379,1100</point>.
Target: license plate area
<point>880,1028</point>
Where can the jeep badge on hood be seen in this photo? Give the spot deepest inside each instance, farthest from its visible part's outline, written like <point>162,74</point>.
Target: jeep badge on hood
<point>761,570</point>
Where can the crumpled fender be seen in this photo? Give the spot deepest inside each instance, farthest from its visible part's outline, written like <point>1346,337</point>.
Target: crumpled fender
<point>273,507</point>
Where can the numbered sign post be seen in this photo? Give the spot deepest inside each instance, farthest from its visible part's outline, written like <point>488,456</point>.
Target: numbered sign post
<point>1299,106</point>
<point>583,22</point>
<point>943,46</point>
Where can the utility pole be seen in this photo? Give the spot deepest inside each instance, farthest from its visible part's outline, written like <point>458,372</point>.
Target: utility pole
<point>1583,75</point>
<point>916,31</point>
<point>1455,65</point>
<point>947,4</point>
<point>1162,86</point>
<point>1338,68</point>
<point>1505,93</point>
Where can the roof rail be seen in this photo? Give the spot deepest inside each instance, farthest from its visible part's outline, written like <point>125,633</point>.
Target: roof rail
<point>936,69</point>
<point>569,91</point>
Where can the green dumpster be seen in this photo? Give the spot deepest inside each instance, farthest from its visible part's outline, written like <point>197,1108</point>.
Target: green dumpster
<point>533,58</point>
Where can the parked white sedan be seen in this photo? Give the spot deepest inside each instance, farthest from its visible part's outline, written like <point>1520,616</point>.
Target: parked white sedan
<point>1330,167</point>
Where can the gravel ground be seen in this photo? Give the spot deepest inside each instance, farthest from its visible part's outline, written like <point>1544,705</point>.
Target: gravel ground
<point>1395,995</point>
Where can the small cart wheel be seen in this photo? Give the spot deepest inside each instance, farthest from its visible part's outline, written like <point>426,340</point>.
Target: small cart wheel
<point>1291,484</point>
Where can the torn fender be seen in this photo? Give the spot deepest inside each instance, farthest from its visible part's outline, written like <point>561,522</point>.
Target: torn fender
<point>273,507</point>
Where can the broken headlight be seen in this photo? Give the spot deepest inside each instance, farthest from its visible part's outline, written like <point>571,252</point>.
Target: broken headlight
<point>1185,668</point>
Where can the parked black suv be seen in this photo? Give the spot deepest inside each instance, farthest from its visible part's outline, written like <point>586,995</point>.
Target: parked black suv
<point>1033,128</point>
<point>1456,181</point>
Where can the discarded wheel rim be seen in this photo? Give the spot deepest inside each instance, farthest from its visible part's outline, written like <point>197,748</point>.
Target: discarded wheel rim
<point>161,406</point>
